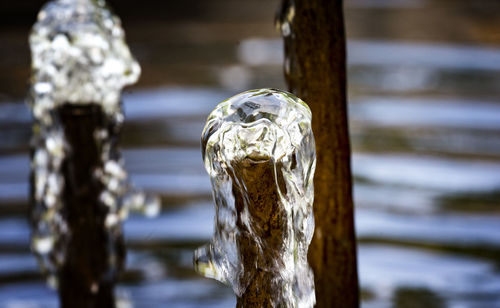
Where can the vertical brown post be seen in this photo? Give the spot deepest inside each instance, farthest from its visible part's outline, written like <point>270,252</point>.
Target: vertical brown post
<point>79,184</point>
<point>87,277</point>
<point>315,70</point>
<point>253,182</point>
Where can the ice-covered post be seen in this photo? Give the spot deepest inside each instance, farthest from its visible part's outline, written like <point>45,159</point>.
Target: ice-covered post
<point>79,187</point>
<point>315,70</point>
<point>258,148</point>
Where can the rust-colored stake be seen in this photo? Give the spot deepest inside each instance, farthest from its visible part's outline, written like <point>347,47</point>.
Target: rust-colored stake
<point>316,72</point>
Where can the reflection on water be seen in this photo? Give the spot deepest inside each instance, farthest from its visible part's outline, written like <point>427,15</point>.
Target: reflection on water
<point>256,51</point>
<point>446,275</point>
<point>425,126</point>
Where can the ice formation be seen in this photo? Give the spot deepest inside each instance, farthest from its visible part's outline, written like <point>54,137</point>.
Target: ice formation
<point>258,148</point>
<point>79,56</point>
<point>286,26</point>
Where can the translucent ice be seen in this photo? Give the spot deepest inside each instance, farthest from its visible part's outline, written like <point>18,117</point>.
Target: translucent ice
<point>258,148</point>
<point>79,56</point>
<point>286,26</point>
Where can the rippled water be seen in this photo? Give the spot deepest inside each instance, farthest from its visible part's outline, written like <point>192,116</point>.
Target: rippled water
<point>425,126</point>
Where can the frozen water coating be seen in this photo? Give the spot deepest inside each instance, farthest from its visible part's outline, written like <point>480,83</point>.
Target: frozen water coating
<point>286,25</point>
<point>284,18</point>
<point>259,150</point>
<point>79,56</point>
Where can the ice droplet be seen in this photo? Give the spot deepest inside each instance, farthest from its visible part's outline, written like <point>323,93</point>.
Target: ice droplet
<point>108,199</point>
<point>152,207</point>
<point>43,245</point>
<point>134,200</point>
<point>52,281</point>
<point>112,220</point>
<point>286,24</point>
<point>115,169</point>
<point>285,18</point>
<point>258,148</point>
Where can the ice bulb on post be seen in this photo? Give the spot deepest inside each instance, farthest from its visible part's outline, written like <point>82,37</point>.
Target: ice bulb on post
<point>79,186</point>
<point>258,148</point>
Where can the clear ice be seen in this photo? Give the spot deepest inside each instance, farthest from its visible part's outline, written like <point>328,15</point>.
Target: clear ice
<point>286,25</point>
<point>79,56</point>
<point>259,150</point>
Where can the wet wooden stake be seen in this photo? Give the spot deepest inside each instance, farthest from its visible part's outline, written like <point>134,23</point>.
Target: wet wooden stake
<point>87,278</point>
<point>254,183</point>
<point>315,71</point>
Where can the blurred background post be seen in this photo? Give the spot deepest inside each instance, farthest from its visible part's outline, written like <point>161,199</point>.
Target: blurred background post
<point>87,277</point>
<point>80,63</point>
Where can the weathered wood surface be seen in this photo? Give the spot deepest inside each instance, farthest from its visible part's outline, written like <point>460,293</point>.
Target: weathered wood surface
<point>255,188</point>
<point>316,72</point>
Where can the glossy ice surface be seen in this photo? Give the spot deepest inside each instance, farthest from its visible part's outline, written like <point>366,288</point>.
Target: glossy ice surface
<point>268,128</point>
<point>79,55</point>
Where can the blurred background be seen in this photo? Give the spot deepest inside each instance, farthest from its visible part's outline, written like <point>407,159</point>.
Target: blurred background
<point>424,103</point>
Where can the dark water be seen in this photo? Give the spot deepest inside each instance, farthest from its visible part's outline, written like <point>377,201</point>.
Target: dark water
<point>425,127</point>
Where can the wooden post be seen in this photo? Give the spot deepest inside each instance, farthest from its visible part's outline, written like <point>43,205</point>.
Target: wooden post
<point>315,70</point>
<point>254,184</point>
<point>87,277</point>
<point>79,183</point>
